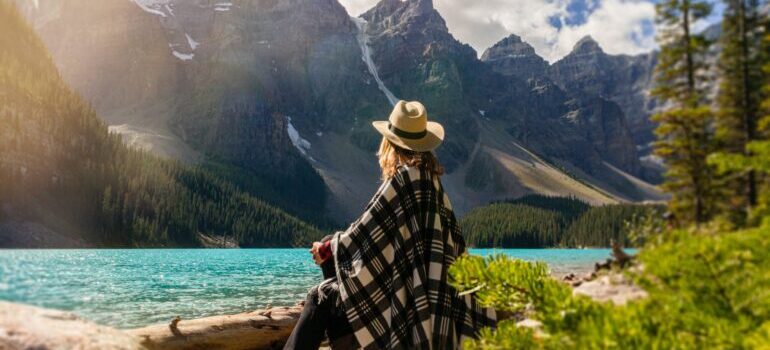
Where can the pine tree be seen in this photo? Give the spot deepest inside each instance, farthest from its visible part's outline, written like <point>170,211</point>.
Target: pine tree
<point>684,132</point>
<point>741,80</point>
<point>754,157</point>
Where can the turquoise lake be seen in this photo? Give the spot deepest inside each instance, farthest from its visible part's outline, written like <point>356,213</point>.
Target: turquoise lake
<point>129,288</point>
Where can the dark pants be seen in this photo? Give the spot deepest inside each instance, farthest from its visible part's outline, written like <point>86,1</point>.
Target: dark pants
<point>321,319</point>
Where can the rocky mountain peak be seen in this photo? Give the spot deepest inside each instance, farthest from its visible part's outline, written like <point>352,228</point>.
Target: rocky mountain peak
<point>421,5</point>
<point>398,15</point>
<point>510,46</point>
<point>410,7</point>
<point>587,45</point>
<point>418,6</point>
<point>514,57</point>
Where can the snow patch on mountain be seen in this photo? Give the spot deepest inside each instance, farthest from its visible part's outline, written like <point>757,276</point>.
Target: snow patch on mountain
<point>653,159</point>
<point>183,56</point>
<point>299,143</point>
<point>366,55</point>
<point>151,6</point>
<point>193,44</point>
<point>135,137</point>
<point>223,6</point>
<point>156,141</point>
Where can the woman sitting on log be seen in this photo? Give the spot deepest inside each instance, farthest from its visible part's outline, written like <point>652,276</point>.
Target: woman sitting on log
<point>386,285</point>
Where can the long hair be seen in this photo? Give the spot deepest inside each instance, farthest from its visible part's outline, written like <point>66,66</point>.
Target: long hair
<point>392,157</point>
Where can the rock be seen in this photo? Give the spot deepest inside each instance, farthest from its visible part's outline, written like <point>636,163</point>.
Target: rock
<point>603,123</point>
<point>217,241</point>
<point>529,323</point>
<point>29,327</point>
<point>24,234</point>
<point>573,280</point>
<point>613,288</point>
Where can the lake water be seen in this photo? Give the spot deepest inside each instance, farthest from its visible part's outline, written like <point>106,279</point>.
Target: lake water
<point>135,287</point>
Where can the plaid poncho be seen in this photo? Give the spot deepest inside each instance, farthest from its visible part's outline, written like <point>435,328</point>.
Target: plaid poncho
<point>392,269</point>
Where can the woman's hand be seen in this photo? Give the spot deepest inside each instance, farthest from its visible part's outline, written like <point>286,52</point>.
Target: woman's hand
<point>316,253</point>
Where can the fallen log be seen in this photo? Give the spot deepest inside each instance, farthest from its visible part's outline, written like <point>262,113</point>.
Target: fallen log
<point>29,327</point>
<point>263,329</point>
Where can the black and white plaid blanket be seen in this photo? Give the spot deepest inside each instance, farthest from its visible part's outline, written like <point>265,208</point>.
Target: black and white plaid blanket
<point>392,269</point>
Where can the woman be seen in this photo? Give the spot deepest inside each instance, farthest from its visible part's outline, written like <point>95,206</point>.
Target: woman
<point>387,273</point>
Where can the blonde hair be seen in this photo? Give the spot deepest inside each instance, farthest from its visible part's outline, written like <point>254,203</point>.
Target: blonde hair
<point>392,157</point>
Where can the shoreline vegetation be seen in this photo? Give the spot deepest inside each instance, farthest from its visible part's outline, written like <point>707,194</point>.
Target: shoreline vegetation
<point>679,292</point>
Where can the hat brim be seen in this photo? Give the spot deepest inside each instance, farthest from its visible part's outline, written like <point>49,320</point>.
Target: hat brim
<point>432,139</point>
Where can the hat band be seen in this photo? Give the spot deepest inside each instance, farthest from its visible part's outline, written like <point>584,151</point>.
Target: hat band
<point>406,134</point>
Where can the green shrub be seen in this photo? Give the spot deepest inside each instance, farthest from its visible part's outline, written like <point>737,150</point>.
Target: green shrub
<point>706,291</point>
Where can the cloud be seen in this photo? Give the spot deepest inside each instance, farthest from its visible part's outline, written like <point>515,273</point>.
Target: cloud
<point>552,27</point>
<point>358,7</point>
<point>620,27</point>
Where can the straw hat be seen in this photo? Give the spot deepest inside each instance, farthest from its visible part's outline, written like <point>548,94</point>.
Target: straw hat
<point>408,127</point>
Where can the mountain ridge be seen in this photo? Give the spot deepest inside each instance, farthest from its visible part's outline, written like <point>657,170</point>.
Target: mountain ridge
<point>262,62</point>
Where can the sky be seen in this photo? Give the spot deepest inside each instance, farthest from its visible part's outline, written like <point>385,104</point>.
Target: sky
<point>552,27</point>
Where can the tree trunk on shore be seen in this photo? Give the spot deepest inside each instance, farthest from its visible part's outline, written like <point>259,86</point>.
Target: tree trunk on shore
<point>29,327</point>
<point>264,329</point>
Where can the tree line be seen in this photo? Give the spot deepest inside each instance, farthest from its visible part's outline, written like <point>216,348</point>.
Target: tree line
<point>536,221</point>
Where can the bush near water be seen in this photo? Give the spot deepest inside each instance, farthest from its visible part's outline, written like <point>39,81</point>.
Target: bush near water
<point>705,293</point>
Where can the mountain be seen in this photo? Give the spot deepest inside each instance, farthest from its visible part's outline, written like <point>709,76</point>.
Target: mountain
<point>623,79</point>
<point>496,120</point>
<point>65,181</point>
<point>209,81</point>
<point>615,86</point>
<point>601,121</point>
<point>278,96</point>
